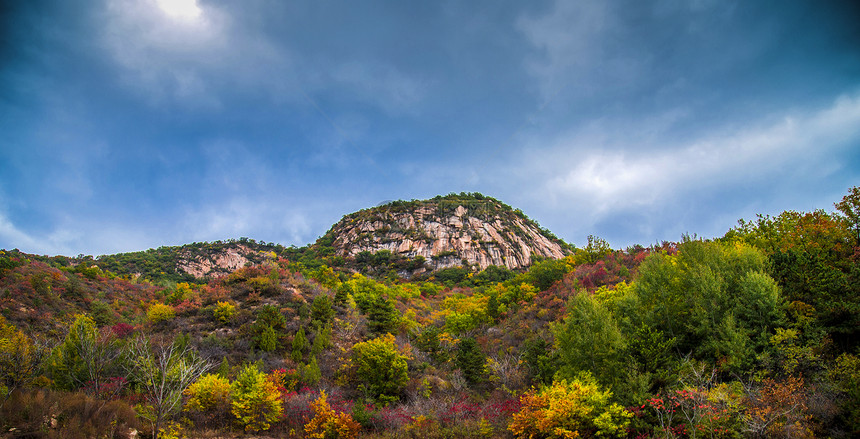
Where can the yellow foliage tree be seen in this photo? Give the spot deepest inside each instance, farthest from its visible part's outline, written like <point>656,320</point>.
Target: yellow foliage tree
<point>210,392</point>
<point>578,408</point>
<point>256,402</point>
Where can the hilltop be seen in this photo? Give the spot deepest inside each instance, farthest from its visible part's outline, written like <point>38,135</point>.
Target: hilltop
<point>466,229</point>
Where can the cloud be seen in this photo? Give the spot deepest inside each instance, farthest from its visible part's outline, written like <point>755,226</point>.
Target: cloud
<point>12,237</point>
<point>267,217</point>
<point>188,56</point>
<point>382,84</point>
<point>604,178</point>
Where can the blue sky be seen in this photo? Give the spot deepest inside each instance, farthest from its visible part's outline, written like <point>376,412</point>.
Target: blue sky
<point>131,124</point>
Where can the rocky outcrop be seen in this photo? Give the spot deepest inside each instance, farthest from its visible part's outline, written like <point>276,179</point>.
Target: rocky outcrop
<point>447,231</point>
<point>224,261</point>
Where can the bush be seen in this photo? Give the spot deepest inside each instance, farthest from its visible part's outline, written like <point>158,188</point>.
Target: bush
<point>224,312</point>
<point>49,414</point>
<point>328,424</point>
<point>569,409</point>
<point>208,393</point>
<point>159,312</point>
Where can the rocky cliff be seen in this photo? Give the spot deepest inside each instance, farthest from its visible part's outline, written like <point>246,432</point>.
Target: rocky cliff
<point>448,231</point>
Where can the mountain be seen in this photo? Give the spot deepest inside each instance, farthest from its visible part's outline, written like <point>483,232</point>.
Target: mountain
<point>447,231</point>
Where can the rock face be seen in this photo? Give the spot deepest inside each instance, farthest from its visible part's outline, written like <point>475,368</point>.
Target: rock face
<point>224,261</point>
<point>446,231</point>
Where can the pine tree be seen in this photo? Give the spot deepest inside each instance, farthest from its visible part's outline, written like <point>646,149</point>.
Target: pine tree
<point>300,344</point>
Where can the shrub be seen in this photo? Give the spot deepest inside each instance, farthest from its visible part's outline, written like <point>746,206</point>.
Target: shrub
<point>569,409</point>
<point>328,424</point>
<point>209,398</point>
<point>208,393</point>
<point>159,312</point>
<point>224,312</point>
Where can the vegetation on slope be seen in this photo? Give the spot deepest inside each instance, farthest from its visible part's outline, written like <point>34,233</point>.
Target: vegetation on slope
<point>753,334</point>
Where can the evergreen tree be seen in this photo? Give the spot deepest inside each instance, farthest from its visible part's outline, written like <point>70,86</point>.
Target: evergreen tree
<point>300,344</point>
<point>471,361</point>
<point>382,317</point>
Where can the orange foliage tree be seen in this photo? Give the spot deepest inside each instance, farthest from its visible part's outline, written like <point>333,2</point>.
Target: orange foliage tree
<point>328,424</point>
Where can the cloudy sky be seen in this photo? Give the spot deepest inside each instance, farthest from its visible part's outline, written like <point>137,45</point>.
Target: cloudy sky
<point>131,124</point>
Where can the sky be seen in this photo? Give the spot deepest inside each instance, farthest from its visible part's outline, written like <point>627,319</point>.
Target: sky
<point>133,124</point>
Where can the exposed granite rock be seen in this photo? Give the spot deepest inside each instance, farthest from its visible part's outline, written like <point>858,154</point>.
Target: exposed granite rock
<point>482,232</point>
<point>224,261</point>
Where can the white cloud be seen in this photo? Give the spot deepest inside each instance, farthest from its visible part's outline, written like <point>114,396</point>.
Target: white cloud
<point>264,218</point>
<point>603,175</point>
<point>12,237</point>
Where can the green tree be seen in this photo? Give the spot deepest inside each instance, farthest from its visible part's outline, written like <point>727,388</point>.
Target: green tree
<point>589,340</point>
<point>268,340</point>
<point>300,345</point>
<point>471,361</point>
<point>269,321</point>
<point>311,373</point>
<point>255,400</point>
<point>382,317</point>
<point>322,340</point>
<point>321,310</point>
<point>428,341</point>
<point>716,300</point>
<point>87,357</point>
<point>380,369</point>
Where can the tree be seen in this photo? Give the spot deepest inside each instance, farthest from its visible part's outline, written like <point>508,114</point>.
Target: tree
<point>268,340</point>
<point>380,368</point>
<point>256,402</point>
<point>471,361</point>
<point>224,312</point>
<point>589,340</point>
<point>850,208</point>
<point>162,371</point>
<point>20,358</point>
<point>569,409</point>
<point>382,317</point>
<point>268,327</point>
<point>321,310</point>
<point>300,345</point>
<point>86,358</point>
<point>159,312</point>
<point>715,299</point>
<point>209,395</point>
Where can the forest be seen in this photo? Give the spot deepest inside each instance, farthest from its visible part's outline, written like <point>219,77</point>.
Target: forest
<point>752,334</point>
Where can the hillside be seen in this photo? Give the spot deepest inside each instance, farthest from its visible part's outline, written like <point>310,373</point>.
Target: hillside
<point>447,231</point>
<point>189,262</point>
<point>753,334</point>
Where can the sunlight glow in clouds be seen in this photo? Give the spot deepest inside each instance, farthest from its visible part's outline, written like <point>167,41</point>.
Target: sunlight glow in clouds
<point>182,9</point>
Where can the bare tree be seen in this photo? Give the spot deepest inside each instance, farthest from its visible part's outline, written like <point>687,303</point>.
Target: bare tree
<point>162,371</point>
